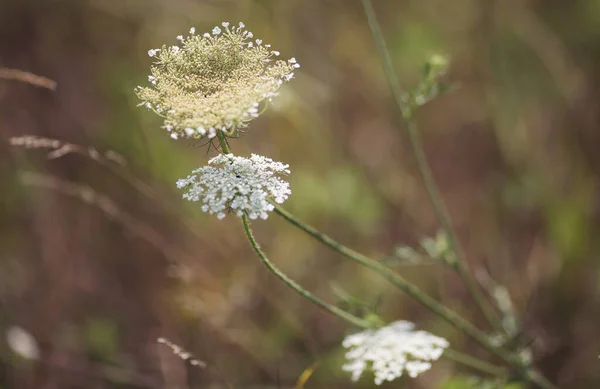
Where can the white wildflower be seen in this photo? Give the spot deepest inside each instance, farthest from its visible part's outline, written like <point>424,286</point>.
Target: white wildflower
<point>213,81</point>
<point>242,185</point>
<point>392,350</point>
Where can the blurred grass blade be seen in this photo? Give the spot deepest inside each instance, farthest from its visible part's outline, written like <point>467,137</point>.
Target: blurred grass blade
<point>306,374</point>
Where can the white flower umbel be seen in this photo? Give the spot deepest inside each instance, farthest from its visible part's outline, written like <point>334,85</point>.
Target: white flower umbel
<point>392,350</point>
<point>213,81</point>
<point>242,185</point>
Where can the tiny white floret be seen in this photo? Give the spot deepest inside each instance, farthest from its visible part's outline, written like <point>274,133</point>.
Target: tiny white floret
<point>237,184</point>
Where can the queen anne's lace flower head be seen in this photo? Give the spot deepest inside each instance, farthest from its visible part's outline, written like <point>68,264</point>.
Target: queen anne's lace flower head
<point>242,185</point>
<point>391,350</point>
<point>213,81</point>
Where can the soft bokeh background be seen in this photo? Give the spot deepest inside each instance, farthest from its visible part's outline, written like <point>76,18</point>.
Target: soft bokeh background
<point>98,260</point>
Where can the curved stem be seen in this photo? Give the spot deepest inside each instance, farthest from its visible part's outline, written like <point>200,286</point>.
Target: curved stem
<point>453,355</point>
<point>402,284</point>
<point>445,313</point>
<point>459,262</point>
<point>288,281</point>
<point>303,292</point>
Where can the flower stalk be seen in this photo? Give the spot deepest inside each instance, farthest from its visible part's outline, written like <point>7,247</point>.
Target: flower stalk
<point>412,290</point>
<point>362,323</point>
<point>212,85</point>
<point>407,108</point>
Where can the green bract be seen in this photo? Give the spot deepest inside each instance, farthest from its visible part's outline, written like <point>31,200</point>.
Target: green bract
<point>213,82</point>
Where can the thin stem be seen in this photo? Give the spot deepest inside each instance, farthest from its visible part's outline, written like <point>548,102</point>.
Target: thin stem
<point>459,263</point>
<point>402,284</point>
<point>223,142</point>
<point>445,313</point>
<point>288,281</point>
<point>453,355</point>
<point>537,378</point>
<point>303,292</point>
<point>474,363</point>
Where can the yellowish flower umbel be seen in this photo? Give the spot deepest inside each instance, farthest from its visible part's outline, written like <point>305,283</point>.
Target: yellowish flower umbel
<point>213,82</point>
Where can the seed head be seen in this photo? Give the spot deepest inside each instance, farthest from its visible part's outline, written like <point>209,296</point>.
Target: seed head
<point>213,81</point>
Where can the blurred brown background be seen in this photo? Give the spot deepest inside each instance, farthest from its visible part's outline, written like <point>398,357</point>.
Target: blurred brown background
<point>98,260</point>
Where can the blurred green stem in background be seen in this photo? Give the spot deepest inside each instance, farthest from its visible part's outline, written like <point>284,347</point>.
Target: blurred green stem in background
<point>474,363</point>
<point>407,109</point>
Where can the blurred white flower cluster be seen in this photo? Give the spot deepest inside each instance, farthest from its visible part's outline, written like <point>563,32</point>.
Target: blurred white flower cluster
<point>392,350</point>
<point>242,185</point>
<point>213,81</point>
<point>22,343</point>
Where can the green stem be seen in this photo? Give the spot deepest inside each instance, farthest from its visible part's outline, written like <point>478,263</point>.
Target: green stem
<point>223,142</point>
<point>459,263</point>
<point>537,378</point>
<point>453,355</point>
<point>447,314</point>
<point>402,284</point>
<point>474,363</point>
<point>303,292</point>
<point>288,281</point>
